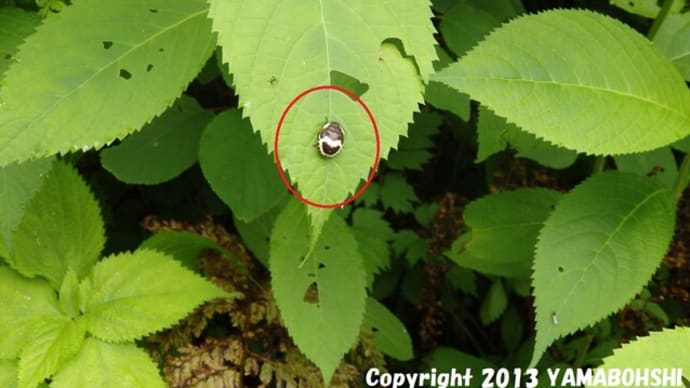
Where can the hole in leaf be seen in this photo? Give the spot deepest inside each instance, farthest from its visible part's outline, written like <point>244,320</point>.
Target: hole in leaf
<point>153,10</point>
<point>322,265</point>
<point>149,67</point>
<point>161,49</point>
<point>374,329</point>
<point>326,247</point>
<point>107,44</point>
<point>311,295</point>
<point>560,269</point>
<point>124,74</point>
<point>273,80</point>
<point>8,56</point>
<point>347,82</point>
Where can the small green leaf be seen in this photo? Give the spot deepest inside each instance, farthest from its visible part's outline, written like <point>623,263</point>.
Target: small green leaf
<point>658,164</point>
<point>69,294</point>
<point>18,183</point>
<point>184,247</point>
<point>162,149</point>
<point>91,93</point>
<point>446,359</point>
<point>605,237</point>
<point>237,167</point>
<point>134,294</point>
<point>52,342</point>
<point>672,39</point>
<point>665,349</point>
<point>503,232</point>
<point>101,364</point>
<point>603,109</point>
<point>15,25</point>
<point>61,229</point>
<point>8,373</point>
<point>25,303</point>
<point>257,233</point>
<point>396,194</point>
<point>494,303</point>
<point>322,303</point>
<point>390,334</point>
<point>413,151</point>
<point>511,329</point>
<point>372,233</point>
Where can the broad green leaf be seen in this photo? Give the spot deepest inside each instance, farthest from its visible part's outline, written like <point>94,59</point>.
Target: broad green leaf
<point>61,229</point>
<point>390,334</point>
<point>597,249</point>
<point>672,39</point>
<point>277,49</point>
<point>8,373</point>
<point>444,97</point>
<point>494,303</point>
<point>15,25</point>
<point>511,218</point>
<point>184,247</point>
<point>133,294</point>
<point>257,233</point>
<point>414,151</point>
<point>52,343</point>
<point>162,149</point>
<point>18,184</point>
<point>237,167</point>
<point>25,303</point>
<point>322,302</point>
<point>396,194</point>
<point>100,364</point>
<point>372,233</point>
<point>464,25</point>
<point>522,71</point>
<point>646,8</point>
<point>494,133</point>
<point>659,164</point>
<point>126,62</point>
<point>666,349</point>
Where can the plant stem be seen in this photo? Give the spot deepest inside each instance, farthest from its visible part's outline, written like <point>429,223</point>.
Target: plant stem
<point>682,178</point>
<point>599,163</point>
<point>659,19</point>
<point>580,359</point>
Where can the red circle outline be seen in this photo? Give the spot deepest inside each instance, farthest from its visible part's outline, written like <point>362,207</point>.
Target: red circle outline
<point>287,184</point>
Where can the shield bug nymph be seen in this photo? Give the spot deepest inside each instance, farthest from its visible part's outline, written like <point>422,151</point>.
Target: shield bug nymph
<point>330,139</point>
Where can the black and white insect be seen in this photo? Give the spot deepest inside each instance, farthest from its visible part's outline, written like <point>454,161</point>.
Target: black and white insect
<point>330,139</point>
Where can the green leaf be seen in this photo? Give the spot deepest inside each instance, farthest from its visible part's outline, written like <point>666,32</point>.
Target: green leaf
<point>68,296</point>
<point>503,229</point>
<point>8,373</point>
<point>184,247</point>
<point>494,303</point>
<point>511,329</point>
<point>464,25</point>
<point>322,303</point>
<point>446,359</point>
<point>413,151</point>
<point>605,237</point>
<point>61,229</point>
<point>52,343</point>
<point>133,294</point>
<point>646,8</point>
<point>659,164</point>
<point>15,25</point>
<point>162,149</point>
<point>25,303</point>
<point>18,184</point>
<point>237,167</point>
<point>101,364</point>
<point>126,62</point>
<point>445,97</point>
<point>603,109</point>
<point>390,334</point>
<point>672,39</point>
<point>257,233</point>
<point>396,194</point>
<point>372,233</point>
<point>277,50</point>
<point>665,349</point>
<point>494,133</point>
